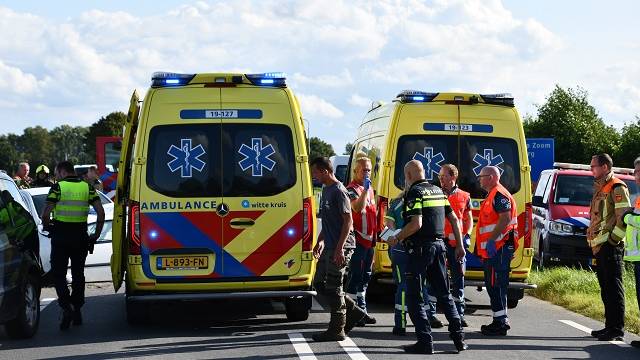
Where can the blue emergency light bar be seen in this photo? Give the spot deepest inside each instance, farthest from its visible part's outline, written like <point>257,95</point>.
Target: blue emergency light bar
<point>275,79</point>
<point>505,99</point>
<point>166,79</point>
<point>414,96</point>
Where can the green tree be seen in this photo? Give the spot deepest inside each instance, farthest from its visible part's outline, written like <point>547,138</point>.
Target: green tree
<point>110,125</point>
<point>629,148</point>
<point>37,145</point>
<point>320,148</point>
<point>9,155</point>
<point>69,144</point>
<point>348,148</point>
<point>578,130</point>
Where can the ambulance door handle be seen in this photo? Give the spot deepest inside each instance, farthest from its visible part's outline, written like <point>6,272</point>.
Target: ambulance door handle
<point>242,223</point>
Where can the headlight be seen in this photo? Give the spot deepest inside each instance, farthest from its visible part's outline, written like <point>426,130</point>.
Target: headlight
<point>560,228</point>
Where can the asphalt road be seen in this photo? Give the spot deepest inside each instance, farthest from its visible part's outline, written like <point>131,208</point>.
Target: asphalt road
<point>243,329</point>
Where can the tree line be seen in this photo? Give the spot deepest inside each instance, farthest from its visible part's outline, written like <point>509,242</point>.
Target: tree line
<point>37,145</point>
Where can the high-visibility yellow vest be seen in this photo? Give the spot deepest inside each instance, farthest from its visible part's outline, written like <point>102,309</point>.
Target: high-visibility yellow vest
<point>632,246</point>
<point>73,205</point>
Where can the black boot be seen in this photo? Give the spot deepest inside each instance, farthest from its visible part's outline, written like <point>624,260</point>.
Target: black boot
<point>419,348</point>
<point>435,323</point>
<point>335,332</point>
<point>458,341</point>
<point>67,316</point>
<point>596,333</point>
<point>354,315</point>
<point>635,344</point>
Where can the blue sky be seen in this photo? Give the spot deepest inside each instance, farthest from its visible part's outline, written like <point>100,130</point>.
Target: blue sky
<point>70,62</point>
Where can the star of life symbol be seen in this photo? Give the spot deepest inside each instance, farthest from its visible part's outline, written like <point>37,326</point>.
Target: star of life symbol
<point>186,158</point>
<point>487,159</point>
<point>256,157</point>
<point>430,161</point>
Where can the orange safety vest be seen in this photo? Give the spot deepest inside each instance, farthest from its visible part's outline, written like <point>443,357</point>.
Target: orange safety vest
<point>458,201</point>
<point>488,219</point>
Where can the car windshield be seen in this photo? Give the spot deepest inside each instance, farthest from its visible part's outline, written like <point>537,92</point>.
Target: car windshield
<point>578,190</point>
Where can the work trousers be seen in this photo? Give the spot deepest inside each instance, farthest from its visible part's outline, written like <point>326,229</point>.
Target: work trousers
<point>496,281</point>
<point>328,282</point>
<point>609,271</point>
<point>69,242</point>
<point>360,268</point>
<point>427,262</point>
<point>456,270</point>
<point>399,260</point>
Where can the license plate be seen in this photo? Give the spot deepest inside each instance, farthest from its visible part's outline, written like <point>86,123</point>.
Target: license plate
<point>182,262</point>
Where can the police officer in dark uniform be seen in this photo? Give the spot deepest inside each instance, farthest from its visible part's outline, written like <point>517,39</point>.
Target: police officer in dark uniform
<point>426,207</point>
<point>69,199</point>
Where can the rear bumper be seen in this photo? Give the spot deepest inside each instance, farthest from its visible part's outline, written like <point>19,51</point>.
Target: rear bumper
<point>213,296</point>
<point>512,284</point>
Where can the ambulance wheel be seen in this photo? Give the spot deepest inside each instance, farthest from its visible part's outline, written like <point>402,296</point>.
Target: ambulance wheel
<point>298,308</point>
<point>513,297</point>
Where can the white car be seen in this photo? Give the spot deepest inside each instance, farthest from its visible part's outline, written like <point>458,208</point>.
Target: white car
<point>97,265</point>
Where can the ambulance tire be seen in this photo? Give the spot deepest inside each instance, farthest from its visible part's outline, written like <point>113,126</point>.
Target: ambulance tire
<point>298,308</point>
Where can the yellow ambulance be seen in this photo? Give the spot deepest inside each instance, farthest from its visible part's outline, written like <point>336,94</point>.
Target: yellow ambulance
<point>214,196</point>
<point>468,130</point>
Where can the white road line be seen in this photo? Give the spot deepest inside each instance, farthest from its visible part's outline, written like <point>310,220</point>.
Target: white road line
<point>587,330</point>
<point>45,302</point>
<point>352,349</point>
<point>302,348</point>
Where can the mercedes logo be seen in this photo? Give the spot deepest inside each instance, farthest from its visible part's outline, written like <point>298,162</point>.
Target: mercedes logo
<point>223,209</point>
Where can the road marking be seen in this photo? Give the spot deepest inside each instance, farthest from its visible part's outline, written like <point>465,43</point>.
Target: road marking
<point>302,348</point>
<point>352,349</point>
<point>587,330</point>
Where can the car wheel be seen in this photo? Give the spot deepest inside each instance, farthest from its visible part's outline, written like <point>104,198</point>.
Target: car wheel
<point>298,308</point>
<point>541,255</point>
<point>513,297</point>
<point>26,323</point>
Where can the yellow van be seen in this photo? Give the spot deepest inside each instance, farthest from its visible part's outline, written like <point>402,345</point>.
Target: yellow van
<point>214,196</point>
<point>468,130</point>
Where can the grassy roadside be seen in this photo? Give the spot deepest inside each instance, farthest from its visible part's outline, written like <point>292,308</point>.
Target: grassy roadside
<point>578,291</point>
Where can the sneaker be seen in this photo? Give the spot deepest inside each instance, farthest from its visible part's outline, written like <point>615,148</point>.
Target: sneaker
<point>435,323</point>
<point>67,316</point>
<point>596,333</point>
<point>419,348</point>
<point>495,329</point>
<point>77,317</point>
<point>399,331</point>
<point>611,335</point>
<point>635,344</point>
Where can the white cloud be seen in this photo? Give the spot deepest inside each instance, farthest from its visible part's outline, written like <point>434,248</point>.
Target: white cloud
<point>316,108</point>
<point>343,79</point>
<point>360,101</point>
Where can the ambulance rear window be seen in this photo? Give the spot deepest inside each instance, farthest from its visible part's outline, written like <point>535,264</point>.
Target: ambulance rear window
<point>468,153</point>
<point>258,159</point>
<point>185,160</point>
<point>213,160</point>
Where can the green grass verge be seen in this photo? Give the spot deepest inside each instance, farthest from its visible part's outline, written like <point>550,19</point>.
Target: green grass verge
<point>578,291</point>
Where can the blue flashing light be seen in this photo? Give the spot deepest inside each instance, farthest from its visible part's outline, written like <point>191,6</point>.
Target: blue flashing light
<point>411,96</point>
<point>291,232</point>
<point>153,234</point>
<point>276,79</point>
<point>505,99</point>
<point>165,79</point>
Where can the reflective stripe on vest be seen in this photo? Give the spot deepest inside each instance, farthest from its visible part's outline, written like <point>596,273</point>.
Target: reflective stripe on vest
<point>457,200</point>
<point>488,219</point>
<point>73,205</point>
<point>632,245</point>
<point>364,224</point>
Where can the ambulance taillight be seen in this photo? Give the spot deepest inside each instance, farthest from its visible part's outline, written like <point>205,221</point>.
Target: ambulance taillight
<point>134,222</point>
<point>307,225</point>
<point>528,220</point>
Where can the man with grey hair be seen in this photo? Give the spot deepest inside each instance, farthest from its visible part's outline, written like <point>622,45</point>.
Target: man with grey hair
<point>632,244</point>
<point>496,235</point>
<point>22,178</point>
